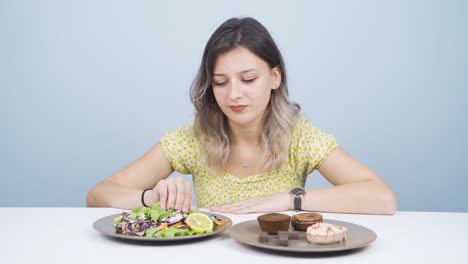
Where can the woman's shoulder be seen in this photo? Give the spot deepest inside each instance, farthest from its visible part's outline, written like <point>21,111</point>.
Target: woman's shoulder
<point>309,146</point>
<point>183,136</point>
<point>184,131</point>
<point>306,130</point>
<point>303,124</point>
<point>180,147</point>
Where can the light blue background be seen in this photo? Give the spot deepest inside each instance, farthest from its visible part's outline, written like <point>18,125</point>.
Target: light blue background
<point>89,86</point>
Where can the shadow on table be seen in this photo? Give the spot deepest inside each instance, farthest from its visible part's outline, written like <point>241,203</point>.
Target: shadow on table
<point>330,254</point>
<point>164,243</point>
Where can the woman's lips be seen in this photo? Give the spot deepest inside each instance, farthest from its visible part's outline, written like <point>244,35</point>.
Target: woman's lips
<point>238,108</point>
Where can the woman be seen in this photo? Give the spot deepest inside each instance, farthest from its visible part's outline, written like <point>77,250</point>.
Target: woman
<point>248,148</point>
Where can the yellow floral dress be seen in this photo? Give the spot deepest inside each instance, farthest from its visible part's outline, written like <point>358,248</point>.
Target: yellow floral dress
<point>308,148</point>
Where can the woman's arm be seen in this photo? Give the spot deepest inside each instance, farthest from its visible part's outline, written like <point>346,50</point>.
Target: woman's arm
<point>357,189</point>
<point>124,188</point>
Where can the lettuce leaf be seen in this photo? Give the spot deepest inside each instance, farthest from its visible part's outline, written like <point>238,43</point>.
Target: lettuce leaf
<point>173,231</point>
<point>117,220</point>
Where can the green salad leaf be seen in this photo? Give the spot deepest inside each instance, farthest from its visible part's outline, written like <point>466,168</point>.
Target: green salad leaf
<point>172,232</point>
<point>117,220</point>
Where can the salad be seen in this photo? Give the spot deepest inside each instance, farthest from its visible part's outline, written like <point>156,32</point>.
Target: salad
<point>156,222</point>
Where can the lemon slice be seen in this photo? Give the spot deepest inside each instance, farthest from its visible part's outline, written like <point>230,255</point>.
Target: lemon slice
<point>200,223</point>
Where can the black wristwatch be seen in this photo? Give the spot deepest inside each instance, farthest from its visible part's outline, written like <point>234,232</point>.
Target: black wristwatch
<point>297,194</point>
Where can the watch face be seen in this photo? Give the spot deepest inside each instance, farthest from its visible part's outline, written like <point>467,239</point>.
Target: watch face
<point>298,191</point>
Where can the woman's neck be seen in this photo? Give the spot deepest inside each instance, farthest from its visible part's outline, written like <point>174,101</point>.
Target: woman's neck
<point>246,156</point>
<point>248,135</point>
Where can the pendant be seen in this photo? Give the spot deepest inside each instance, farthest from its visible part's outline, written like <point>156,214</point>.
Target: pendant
<point>245,164</point>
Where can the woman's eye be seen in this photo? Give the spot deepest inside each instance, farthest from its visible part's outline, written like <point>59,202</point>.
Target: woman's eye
<point>219,83</point>
<point>249,80</point>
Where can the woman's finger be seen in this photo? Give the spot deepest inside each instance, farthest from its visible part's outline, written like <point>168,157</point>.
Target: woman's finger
<point>161,187</point>
<point>188,197</point>
<point>154,196</point>
<point>180,191</point>
<point>171,193</point>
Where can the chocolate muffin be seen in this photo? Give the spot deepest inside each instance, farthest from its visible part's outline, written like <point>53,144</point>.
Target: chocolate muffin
<point>274,222</point>
<point>302,221</point>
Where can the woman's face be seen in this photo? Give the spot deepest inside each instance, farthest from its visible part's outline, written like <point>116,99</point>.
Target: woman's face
<point>242,85</point>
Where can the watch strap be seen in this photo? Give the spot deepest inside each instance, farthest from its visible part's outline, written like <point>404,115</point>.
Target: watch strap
<point>297,202</point>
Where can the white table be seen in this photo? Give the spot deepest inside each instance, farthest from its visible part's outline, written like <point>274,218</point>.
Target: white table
<point>66,235</point>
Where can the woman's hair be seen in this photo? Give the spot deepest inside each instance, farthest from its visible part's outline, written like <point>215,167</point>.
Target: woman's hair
<point>211,126</point>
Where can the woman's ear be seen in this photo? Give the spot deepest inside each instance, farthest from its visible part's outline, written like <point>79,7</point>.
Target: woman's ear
<point>276,73</point>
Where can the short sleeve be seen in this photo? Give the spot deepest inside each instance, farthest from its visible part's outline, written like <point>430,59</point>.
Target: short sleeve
<point>180,148</point>
<point>309,147</point>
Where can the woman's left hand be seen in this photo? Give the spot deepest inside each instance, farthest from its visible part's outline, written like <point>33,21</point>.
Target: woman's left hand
<point>275,202</point>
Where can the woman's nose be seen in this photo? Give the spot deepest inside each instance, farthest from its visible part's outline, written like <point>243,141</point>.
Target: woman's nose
<point>235,90</point>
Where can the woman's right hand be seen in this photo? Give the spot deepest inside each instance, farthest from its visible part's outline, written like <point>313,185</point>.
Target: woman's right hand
<point>171,192</point>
